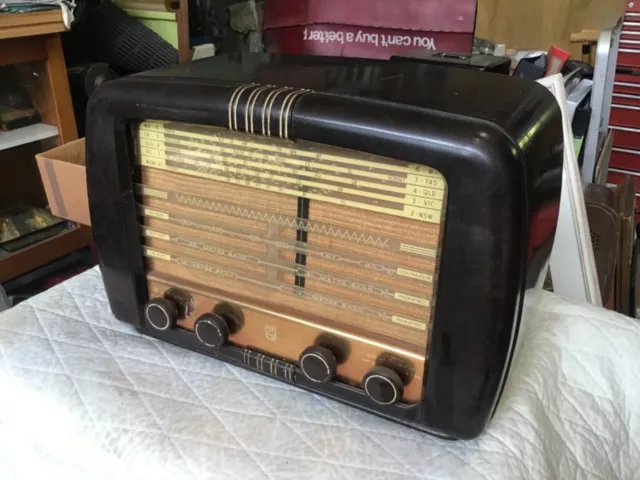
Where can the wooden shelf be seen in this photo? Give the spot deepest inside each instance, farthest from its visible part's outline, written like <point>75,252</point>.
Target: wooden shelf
<point>24,135</point>
<point>14,25</point>
<point>35,37</point>
<point>42,253</point>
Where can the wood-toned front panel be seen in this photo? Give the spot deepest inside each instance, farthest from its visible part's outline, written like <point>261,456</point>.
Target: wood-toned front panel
<point>286,338</point>
<point>363,321</point>
<point>193,187</point>
<point>348,239</point>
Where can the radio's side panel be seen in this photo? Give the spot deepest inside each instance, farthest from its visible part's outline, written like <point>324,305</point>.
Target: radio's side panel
<point>543,155</point>
<point>112,208</point>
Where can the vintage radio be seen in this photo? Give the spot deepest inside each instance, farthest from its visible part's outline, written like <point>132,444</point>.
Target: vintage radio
<point>365,230</point>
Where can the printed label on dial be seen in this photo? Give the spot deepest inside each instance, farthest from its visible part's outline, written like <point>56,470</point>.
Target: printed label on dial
<point>309,170</point>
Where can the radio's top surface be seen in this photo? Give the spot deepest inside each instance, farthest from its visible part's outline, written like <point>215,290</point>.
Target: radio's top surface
<point>500,99</point>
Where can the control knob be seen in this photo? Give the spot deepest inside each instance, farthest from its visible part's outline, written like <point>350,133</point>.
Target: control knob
<point>161,314</point>
<point>318,364</point>
<point>383,385</point>
<point>212,330</point>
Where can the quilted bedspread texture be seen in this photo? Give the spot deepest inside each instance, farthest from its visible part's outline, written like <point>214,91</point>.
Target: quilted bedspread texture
<point>83,396</point>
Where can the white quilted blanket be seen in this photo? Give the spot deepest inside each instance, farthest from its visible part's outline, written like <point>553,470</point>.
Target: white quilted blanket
<point>83,396</point>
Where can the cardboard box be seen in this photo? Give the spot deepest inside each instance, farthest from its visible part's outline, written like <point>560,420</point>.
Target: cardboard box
<point>368,28</point>
<point>64,178</point>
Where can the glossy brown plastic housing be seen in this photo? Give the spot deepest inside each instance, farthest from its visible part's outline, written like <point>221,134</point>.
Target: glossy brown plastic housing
<point>496,139</point>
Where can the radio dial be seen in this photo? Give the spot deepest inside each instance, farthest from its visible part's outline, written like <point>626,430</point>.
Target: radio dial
<point>212,330</point>
<point>318,364</point>
<point>161,314</point>
<point>383,385</point>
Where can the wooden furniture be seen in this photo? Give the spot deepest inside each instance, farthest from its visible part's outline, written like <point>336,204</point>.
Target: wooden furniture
<point>168,18</point>
<point>31,24</point>
<point>34,38</point>
<point>587,40</point>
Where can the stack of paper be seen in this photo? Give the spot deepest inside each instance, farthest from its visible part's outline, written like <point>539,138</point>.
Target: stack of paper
<point>23,6</point>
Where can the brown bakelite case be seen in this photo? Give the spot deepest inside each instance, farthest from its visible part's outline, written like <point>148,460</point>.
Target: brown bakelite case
<point>363,229</point>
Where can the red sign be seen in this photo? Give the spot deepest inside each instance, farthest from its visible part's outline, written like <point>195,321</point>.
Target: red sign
<point>365,42</point>
<point>368,28</point>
